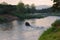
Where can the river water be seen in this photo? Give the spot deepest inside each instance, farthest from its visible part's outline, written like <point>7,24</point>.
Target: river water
<point>19,31</point>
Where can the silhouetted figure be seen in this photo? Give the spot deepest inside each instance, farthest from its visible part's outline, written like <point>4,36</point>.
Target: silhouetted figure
<point>27,24</point>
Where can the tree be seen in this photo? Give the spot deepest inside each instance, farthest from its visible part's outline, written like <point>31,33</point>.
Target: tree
<point>7,9</point>
<point>56,3</point>
<point>4,3</point>
<point>21,7</point>
<point>33,8</point>
<point>27,8</point>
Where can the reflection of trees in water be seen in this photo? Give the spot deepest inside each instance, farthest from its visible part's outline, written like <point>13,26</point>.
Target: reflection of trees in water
<point>6,26</point>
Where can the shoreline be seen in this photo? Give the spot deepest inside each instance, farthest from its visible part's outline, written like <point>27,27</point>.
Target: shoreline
<point>7,18</point>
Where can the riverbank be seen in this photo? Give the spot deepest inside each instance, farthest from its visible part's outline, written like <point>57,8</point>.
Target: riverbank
<point>9,18</point>
<point>29,16</point>
<point>52,33</point>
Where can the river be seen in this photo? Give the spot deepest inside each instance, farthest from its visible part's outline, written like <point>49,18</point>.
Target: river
<point>19,31</point>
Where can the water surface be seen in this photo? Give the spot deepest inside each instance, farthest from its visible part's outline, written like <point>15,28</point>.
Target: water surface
<point>21,32</point>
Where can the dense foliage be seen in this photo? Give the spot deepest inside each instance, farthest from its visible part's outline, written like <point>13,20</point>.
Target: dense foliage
<point>56,5</point>
<point>7,9</point>
<point>20,8</point>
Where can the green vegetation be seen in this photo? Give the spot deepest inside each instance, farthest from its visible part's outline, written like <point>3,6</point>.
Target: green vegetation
<point>20,11</point>
<point>56,5</point>
<point>52,33</point>
<point>3,19</point>
<point>56,23</point>
<point>24,11</point>
<point>19,8</point>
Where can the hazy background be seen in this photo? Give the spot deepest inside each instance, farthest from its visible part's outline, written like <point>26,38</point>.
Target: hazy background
<point>36,2</point>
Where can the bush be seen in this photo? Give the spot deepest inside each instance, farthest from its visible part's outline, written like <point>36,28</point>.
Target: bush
<point>56,23</point>
<point>2,19</point>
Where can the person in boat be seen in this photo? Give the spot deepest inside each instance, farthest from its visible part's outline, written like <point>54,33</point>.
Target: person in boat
<point>27,24</point>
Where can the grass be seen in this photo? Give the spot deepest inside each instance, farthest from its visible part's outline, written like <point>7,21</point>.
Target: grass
<point>52,33</point>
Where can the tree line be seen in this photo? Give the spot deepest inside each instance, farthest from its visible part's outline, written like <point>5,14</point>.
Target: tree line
<point>21,8</point>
